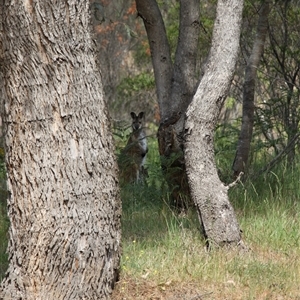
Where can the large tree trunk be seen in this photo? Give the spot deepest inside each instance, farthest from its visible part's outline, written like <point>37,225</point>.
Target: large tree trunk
<point>245,137</point>
<point>175,84</point>
<point>208,192</point>
<point>63,205</point>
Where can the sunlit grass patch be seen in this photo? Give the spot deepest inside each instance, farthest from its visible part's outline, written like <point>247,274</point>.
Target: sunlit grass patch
<point>163,251</point>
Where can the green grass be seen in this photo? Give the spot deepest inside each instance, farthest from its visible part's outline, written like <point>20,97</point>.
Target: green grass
<point>164,255</point>
<point>168,251</point>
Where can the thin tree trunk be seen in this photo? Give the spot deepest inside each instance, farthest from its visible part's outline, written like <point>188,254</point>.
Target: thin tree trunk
<point>149,11</point>
<point>245,137</point>
<point>208,192</point>
<point>184,83</point>
<point>63,205</point>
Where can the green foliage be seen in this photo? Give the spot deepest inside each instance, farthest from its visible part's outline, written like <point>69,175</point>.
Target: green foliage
<point>4,223</point>
<point>170,13</point>
<point>130,85</point>
<point>141,54</point>
<point>121,132</point>
<point>134,93</point>
<point>230,103</point>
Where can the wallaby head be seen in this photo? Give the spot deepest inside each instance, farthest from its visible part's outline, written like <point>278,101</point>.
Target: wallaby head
<point>137,120</point>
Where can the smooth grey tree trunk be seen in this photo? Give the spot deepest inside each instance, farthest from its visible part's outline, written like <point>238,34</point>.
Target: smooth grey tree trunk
<point>245,137</point>
<point>208,192</point>
<point>64,204</point>
<point>149,11</point>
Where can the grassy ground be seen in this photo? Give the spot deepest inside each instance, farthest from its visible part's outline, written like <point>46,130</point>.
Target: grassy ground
<point>164,255</point>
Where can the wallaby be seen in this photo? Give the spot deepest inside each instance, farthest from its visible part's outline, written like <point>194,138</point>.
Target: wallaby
<point>133,156</point>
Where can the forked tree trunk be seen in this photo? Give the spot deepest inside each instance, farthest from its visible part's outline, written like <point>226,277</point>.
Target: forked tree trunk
<point>175,85</point>
<point>245,137</point>
<point>63,205</point>
<point>208,192</point>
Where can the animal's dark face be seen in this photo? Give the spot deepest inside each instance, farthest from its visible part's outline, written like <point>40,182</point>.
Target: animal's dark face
<point>137,120</point>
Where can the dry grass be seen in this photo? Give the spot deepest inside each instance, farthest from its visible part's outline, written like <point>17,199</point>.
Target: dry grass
<point>222,274</point>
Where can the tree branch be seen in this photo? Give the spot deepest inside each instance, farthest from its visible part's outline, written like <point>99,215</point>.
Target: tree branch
<point>238,179</point>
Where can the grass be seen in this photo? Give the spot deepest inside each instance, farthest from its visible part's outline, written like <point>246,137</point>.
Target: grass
<point>164,255</point>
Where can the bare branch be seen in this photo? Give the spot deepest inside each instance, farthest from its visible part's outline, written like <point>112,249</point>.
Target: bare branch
<point>238,179</point>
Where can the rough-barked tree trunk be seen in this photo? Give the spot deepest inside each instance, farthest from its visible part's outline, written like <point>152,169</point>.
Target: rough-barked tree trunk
<point>245,137</point>
<point>175,84</point>
<point>208,192</point>
<point>64,204</point>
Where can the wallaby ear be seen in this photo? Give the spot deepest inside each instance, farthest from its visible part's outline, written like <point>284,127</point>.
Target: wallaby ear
<point>133,115</point>
<point>141,115</point>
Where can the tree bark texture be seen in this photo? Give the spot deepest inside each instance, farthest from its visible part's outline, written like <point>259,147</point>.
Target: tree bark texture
<point>208,192</point>
<point>245,137</point>
<point>175,83</point>
<point>64,204</point>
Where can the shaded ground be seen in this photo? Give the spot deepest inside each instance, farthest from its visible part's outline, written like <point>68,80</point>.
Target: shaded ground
<point>146,290</point>
<point>143,289</point>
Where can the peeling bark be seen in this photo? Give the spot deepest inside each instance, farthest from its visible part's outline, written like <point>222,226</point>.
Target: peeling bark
<point>63,205</point>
